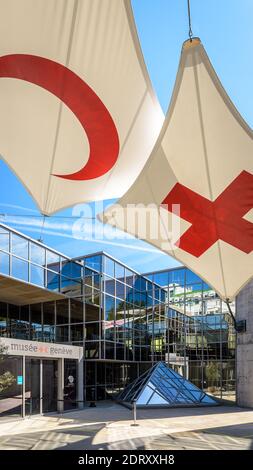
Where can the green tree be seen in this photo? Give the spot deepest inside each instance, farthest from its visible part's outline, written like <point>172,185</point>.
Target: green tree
<point>212,374</point>
<point>6,379</point>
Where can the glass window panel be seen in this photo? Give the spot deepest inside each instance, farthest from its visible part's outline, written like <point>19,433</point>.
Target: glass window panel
<point>4,239</point>
<point>48,313</point>
<point>92,295</point>
<point>109,285</point>
<point>91,313</point>
<point>92,331</point>
<point>76,332</point>
<point>120,308</point>
<point>109,313</point>
<point>141,300</point>
<point>62,334</point>
<point>36,322</point>
<point>53,261</point>
<point>94,262</point>
<point>161,278</point>
<point>13,312</point>
<point>76,311</point>
<point>4,263</point>
<point>120,290</point>
<point>4,324</point>
<point>36,313</point>
<point>109,350</point>
<point>120,351</point>
<point>19,269</point>
<point>91,350</point>
<point>156,399</point>
<point>109,266</point>
<point>140,283</point>
<point>19,246</point>
<point>177,277</point>
<point>119,272</point>
<point>37,275</point>
<point>70,287</point>
<point>24,322</point>
<point>157,292</point>
<point>150,276</point>
<point>129,277</point>
<point>53,281</point>
<point>145,396</point>
<point>70,386</point>
<point>129,295</point>
<point>16,327</point>
<point>108,330</point>
<point>71,269</point>
<point>37,254</point>
<point>11,401</point>
<point>62,311</point>
<point>92,278</point>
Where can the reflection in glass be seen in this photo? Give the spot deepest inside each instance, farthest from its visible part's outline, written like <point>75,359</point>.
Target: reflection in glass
<point>37,254</point>
<point>62,311</point>
<point>4,239</point>
<point>76,311</point>
<point>19,246</point>
<point>37,275</point>
<point>4,263</point>
<point>19,269</point>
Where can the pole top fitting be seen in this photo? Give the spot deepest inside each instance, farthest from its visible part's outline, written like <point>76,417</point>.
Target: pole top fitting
<point>193,42</point>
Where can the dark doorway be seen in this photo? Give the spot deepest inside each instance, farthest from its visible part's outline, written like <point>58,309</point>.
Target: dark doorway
<point>41,386</point>
<point>49,386</point>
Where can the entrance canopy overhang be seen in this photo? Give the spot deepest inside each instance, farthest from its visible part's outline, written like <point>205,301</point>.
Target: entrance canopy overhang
<point>22,293</point>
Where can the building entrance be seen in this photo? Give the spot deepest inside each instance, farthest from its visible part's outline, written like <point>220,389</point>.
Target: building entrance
<point>45,377</point>
<point>41,386</point>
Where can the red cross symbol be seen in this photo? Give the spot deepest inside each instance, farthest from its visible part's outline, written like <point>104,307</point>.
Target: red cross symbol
<point>221,219</point>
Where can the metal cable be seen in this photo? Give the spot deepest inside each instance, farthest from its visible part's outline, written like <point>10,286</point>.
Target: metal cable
<point>189,20</point>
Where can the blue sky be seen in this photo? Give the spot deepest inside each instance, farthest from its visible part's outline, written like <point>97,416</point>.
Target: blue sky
<point>225,28</point>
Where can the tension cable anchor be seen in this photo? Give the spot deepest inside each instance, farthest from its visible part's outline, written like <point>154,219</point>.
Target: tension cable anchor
<point>189,20</point>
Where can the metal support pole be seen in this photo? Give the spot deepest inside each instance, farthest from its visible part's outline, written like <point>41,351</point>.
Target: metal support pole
<point>80,383</point>
<point>60,385</point>
<point>135,414</point>
<point>41,387</point>
<point>23,387</point>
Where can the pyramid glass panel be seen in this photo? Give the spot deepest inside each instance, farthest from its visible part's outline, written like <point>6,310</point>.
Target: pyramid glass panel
<point>162,386</point>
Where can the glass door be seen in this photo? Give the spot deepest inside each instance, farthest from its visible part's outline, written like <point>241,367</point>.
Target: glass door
<point>49,385</point>
<point>41,386</point>
<point>32,386</point>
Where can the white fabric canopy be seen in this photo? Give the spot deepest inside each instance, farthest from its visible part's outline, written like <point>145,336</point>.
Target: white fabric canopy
<point>78,116</point>
<point>198,181</point>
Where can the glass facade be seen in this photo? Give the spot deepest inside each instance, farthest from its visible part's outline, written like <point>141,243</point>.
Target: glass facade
<point>200,330</point>
<point>125,321</point>
<point>27,260</point>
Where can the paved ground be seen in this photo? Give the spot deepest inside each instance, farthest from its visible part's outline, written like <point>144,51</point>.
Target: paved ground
<point>75,439</point>
<point>109,427</point>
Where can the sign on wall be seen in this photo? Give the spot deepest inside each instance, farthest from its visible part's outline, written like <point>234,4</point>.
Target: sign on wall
<point>18,347</point>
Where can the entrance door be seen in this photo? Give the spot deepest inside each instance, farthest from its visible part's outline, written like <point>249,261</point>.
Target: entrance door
<point>32,386</point>
<point>49,385</point>
<point>41,386</point>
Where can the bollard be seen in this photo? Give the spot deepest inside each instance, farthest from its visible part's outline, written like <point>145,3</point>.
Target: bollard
<point>135,414</point>
<point>92,402</point>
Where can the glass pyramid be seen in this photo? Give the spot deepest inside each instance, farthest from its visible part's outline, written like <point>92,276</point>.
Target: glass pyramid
<point>161,386</point>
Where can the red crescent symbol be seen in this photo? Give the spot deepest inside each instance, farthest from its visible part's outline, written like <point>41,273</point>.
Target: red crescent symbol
<point>81,100</point>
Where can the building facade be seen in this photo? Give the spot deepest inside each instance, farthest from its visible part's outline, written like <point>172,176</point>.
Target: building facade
<point>123,322</point>
<point>207,337</point>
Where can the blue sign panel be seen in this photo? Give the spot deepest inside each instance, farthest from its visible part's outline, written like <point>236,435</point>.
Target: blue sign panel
<point>20,379</point>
